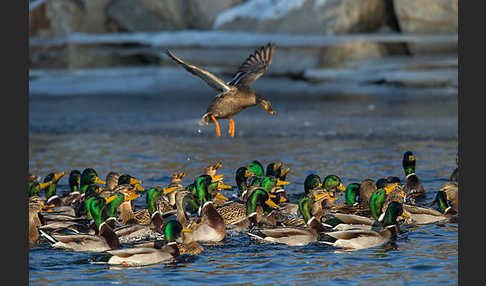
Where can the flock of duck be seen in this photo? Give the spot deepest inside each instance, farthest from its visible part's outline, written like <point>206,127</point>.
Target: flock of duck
<point>178,219</point>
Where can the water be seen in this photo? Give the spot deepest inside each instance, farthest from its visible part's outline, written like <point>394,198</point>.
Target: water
<point>354,137</point>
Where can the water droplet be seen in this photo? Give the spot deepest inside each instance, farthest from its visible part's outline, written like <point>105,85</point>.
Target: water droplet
<point>188,158</point>
<point>199,131</point>
<point>371,107</point>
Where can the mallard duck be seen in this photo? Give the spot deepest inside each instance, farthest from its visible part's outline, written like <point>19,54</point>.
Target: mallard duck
<point>241,176</point>
<point>105,240</point>
<point>413,187</point>
<point>424,215</point>
<point>275,169</point>
<point>332,185</point>
<point>36,204</point>
<point>293,236</point>
<point>366,189</point>
<point>269,184</point>
<point>177,241</point>
<point>212,169</point>
<point>206,188</point>
<point>355,239</point>
<point>212,227</point>
<point>111,181</point>
<point>235,95</point>
<point>34,187</point>
<point>72,198</point>
<point>455,174</point>
<point>452,193</point>
<point>88,177</point>
<point>238,214</point>
<point>256,168</point>
<point>352,202</point>
<point>380,199</point>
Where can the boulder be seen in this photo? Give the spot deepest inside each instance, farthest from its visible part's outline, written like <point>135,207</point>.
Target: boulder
<point>428,17</point>
<point>134,16</point>
<point>65,16</point>
<point>305,16</point>
<point>203,13</point>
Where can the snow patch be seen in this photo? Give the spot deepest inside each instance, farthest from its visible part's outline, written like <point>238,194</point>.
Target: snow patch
<point>259,10</point>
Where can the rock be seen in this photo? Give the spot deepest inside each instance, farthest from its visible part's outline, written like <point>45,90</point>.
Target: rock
<point>428,17</point>
<point>65,16</point>
<point>203,13</point>
<point>133,16</point>
<point>304,16</point>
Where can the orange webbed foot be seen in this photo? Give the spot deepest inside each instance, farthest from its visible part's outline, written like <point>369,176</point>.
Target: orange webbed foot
<point>218,132</point>
<point>231,129</point>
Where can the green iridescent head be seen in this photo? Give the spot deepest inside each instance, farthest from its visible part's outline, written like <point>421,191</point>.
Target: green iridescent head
<point>311,182</point>
<point>173,231</point>
<point>96,207</point>
<point>393,211</point>
<point>89,176</point>
<point>376,202</point>
<point>441,200</point>
<point>408,163</point>
<point>201,184</point>
<point>305,207</point>
<point>256,168</point>
<point>352,193</point>
<point>259,197</point>
<point>74,180</point>
<point>54,179</point>
<point>241,176</point>
<point>333,182</point>
<point>111,207</point>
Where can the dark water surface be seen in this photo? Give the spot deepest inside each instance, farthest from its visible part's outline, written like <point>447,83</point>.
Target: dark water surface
<point>354,137</point>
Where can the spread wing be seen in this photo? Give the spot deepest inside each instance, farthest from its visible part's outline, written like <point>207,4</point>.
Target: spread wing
<point>212,80</point>
<point>253,67</point>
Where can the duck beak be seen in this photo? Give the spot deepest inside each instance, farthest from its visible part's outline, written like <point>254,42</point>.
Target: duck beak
<point>46,208</point>
<point>320,196</point>
<point>79,180</point>
<point>390,188</point>
<point>139,188</point>
<point>270,203</point>
<point>217,177</point>
<point>132,196</point>
<point>411,158</point>
<point>285,172</point>
<point>249,173</point>
<point>110,199</point>
<point>341,187</point>
<point>222,186</point>
<point>282,199</point>
<point>58,176</point>
<point>218,165</point>
<point>277,166</point>
<point>404,214</point>
<point>181,175</point>
<point>221,197</point>
<point>185,229</point>
<point>169,190</point>
<point>44,185</point>
<point>99,181</point>
<point>270,110</point>
<point>134,181</point>
<point>282,183</point>
<point>320,185</point>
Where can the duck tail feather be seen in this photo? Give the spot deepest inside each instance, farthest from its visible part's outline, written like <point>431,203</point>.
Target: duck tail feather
<point>47,236</point>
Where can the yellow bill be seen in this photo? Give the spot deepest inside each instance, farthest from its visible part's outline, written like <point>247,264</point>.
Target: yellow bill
<point>169,190</point>
<point>341,187</point>
<point>390,188</point>
<point>282,183</point>
<point>185,229</point>
<point>221,197</point>
<point>272,196</point>
<point>57,176</point>
<point>277,166</point>
<point>134,181</point>
<point>283,199</point>
<point>249,173</point>
<point>404,214</point>
<point>285,172</point>
<point>270,203</point>
<point>44,185</point>
<point>222,186</point>
<point>139,188</point>
<point>110,199</point>
<point>411,158</point>
<point>132,196</point>
<point>99,181</point>
<point>217,178</point>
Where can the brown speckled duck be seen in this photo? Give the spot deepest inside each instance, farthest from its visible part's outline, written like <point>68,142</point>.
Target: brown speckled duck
<point>234,95</point>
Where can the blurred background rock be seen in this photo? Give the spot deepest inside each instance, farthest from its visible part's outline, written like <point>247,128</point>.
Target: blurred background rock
<point>317,40</point>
